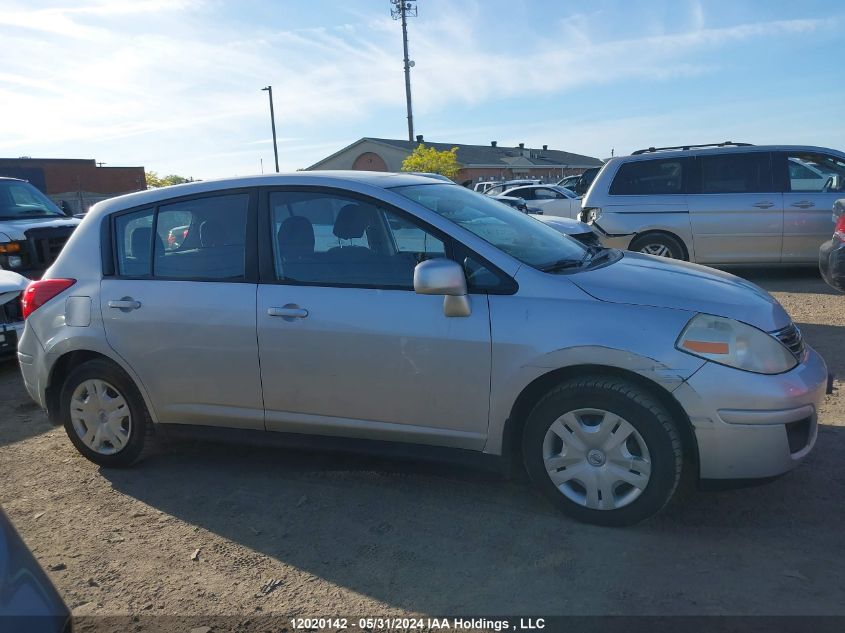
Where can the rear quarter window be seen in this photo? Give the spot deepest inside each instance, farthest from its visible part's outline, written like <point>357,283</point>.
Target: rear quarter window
<point>649,177</point>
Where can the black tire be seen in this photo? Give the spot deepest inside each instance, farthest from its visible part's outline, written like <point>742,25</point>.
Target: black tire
<point>637,407</point>
<point>141,425</point>
<point>650,242</point>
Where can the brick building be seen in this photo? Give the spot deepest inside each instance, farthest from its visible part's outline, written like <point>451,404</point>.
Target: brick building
<point>79,182</point>
<point>479,162</point>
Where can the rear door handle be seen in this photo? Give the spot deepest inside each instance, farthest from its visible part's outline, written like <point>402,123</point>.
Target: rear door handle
<point>127,304</point>
<point>288,312</point>
<point>764,205</point>
<point>804,204</point>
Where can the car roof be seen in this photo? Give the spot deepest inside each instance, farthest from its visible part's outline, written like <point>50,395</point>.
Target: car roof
<point>325,178</point>
<point>703,151</point>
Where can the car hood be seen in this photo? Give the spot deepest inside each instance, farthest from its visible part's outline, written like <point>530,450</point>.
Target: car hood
<point>11,285</point>
<point>15,228</point>
<point>646,280</point>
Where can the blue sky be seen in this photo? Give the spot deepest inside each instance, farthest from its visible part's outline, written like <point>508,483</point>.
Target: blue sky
<point>174,85</point>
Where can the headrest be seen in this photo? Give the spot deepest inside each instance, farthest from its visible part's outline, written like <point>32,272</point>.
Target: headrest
<point>352,221</point>
<point>140,242</point>
<point>211,234</point>
<point>295,236</point>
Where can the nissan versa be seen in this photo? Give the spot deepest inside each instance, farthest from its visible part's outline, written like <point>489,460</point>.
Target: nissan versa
<point>405,310</point>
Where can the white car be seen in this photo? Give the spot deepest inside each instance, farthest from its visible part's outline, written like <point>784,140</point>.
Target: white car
<point>11,321</point>
<point>499,188</point>
<point>550,199</point>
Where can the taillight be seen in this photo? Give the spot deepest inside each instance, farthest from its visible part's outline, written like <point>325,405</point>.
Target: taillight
<point>39,292</point>
<point>839,231</point>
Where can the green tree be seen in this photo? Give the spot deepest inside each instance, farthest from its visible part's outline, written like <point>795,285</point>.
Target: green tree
<point>154,180</point>
<point>429,160</point>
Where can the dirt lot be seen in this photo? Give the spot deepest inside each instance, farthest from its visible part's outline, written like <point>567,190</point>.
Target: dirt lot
<point>364,536</point>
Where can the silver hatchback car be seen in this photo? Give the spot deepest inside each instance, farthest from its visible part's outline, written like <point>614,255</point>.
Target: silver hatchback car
<point>398,311</point>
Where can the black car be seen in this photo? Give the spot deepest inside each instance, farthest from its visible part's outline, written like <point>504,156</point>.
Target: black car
<point>832,253</point>
<point>28,600</point>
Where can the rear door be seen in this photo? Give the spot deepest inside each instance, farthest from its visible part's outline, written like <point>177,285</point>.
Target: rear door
<point>736,209</point>
<point>813,181</point>
<point>179,307</point>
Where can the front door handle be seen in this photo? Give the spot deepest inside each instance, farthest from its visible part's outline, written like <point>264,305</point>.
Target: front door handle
<point>288,312</point>
<point>127,304</point>
<point>764,205</point>
<point>804,204</point>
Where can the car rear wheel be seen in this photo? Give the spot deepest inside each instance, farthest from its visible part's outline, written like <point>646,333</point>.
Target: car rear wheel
<point>603,450</point>
<point>104,415</point>
<point>659,244</point>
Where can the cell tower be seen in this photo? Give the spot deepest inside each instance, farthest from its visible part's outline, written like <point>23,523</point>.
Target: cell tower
<point>402,10</point>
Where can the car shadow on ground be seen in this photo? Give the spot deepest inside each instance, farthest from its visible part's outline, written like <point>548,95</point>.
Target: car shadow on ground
<point>23,416</point>
<point>439,538</point>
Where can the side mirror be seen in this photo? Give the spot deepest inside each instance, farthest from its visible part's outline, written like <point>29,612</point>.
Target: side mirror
<point>443,277</point>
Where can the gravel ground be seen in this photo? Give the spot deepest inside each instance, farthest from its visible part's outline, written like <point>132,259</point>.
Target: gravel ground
<point>201,529</point>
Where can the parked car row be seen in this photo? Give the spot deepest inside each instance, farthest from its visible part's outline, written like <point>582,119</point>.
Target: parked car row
<point>406,310</point>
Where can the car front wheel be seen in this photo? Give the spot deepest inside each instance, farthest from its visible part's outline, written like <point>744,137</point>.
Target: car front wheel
<point>603,450</point>
<point>659,244</point>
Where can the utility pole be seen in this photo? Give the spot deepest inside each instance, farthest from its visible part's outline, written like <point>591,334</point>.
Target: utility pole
<point>401,10</point>
<point>269,89</point>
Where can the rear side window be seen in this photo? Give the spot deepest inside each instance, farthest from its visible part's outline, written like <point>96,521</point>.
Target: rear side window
<point>648,177</point>
<point>203,238</point>
<point>737,173</point>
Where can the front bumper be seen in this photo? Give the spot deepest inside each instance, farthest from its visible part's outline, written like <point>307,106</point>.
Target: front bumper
<point>612,240</point>
<point>10,334</point>
<point>832,263</point>
<point>753,426</point>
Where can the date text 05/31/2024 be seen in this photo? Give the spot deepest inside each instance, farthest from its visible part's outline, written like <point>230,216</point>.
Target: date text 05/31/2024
<point>405,624</point>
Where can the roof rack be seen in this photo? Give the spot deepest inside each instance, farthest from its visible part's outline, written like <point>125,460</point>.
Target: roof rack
<point>688,147</point>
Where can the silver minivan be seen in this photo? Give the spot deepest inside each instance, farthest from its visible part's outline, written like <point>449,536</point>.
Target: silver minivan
<point>723,204</point>
<point>414,315</point>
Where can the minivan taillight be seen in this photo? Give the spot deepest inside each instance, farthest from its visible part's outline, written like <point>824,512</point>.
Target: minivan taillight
<point>39,292</point>
<point>839,231</point>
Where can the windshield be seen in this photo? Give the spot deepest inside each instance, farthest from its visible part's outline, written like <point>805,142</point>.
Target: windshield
<point>509,230</point>
<point>19,199</point>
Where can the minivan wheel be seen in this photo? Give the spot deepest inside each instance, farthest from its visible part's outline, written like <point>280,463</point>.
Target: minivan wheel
<point>659,244</point>
<point>603,450</point>
<point>104,414</point>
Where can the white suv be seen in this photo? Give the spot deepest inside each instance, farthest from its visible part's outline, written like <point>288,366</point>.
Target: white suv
<point>723,204</point>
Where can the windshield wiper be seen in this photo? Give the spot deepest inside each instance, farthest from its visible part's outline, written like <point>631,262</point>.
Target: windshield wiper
<point>563,264</point>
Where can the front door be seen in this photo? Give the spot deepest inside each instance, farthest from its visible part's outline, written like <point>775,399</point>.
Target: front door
<point>180,309</point>
<point>736,211</point>
<point>814,182</point>
<point>347,347</point>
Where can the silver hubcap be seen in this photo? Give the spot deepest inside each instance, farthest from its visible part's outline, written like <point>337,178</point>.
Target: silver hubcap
<point>100,417</point>
<point>596,459</point>
<point>661,250</point>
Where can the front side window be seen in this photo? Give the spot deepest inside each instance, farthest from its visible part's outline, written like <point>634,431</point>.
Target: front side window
<point>330,239</point>
<point>648,177</point>
<point>202,238</point>
<point>509,230</point>
<point>813,172</point>
<point>737,173</point>
<point>541,193</point>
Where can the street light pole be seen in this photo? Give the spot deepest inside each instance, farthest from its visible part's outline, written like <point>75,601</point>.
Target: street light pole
<point>269,89</point>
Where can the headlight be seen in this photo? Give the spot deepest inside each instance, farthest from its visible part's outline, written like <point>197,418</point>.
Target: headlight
<point>590,214</point>
<point>735,344</point>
